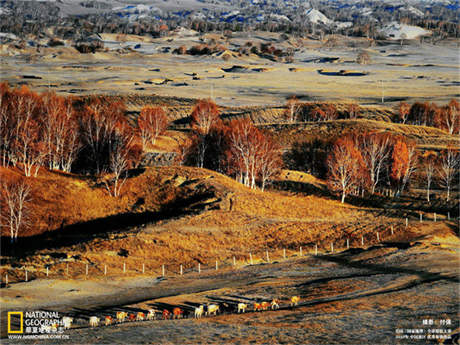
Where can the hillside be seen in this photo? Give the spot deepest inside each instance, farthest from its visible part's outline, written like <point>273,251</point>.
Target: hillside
<point>180,215</point>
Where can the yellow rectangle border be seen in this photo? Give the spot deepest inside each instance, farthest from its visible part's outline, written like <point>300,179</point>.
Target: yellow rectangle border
<point>20,313</point>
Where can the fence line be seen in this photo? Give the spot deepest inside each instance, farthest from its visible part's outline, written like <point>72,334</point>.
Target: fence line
<point>347,243</point>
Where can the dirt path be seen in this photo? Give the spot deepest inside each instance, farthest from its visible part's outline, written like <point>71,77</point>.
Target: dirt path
<point>358,294</point>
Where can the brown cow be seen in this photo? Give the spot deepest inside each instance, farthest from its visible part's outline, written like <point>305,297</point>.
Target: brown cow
<point>264,305</point>
<point>132,317</point>
<point>108,320</point>
<point>166,314</point>
<point>177,313</point>
<point>257,306</point>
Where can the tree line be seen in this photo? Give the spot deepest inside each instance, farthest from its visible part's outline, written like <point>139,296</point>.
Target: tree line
<point>445,117</point>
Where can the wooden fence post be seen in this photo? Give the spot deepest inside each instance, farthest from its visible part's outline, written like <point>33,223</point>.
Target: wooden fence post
<point>67,269</point>
<point>407,222</point>
<point>316,249</point>
<point>392,230</point>
<point>300,251</point>
<point>47,271</point>
<point>217,266</point>
<point>448,215</point>
<point>348,243</point>
<point>378,237</point>
<point>284,253</point>
<point>143,268</point>
<point>234,262</point>
<point>105,270</point>
<point>421,218</point>
<point>181,270</point>
<point>26,276</point>
<point>435,216</point>
<point>250,259</point>
<point>6,280</point>
<point>362,241</point>
<point>86,271</point>
<point>268,258</point>
<point>199,268</point>
<point>124,267</point>
<point>332,247</point>
<point>163,270</point>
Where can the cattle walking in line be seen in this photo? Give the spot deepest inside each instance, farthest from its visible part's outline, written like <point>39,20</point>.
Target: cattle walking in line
<point>67,322</point>
<point>242,307</point>
<point>132,317</point>
<point>140,316</point>
<point>264,305</point>
<point>177,313</point>
<point>295,300</point>
<point>108,320</point>
<point>166,314</point>
<point>94,321</point>
<point>199,312</point>
<point>151,314</point>
<point>257,306</point>
<point>212,309</point>
<point>121,316</point>
<point>274,304</point>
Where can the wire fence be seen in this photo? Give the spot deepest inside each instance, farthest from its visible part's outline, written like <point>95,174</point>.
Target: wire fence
<point>69,268</point>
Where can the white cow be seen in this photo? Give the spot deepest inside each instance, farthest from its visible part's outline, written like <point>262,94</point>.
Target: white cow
<point>242,307</point>
<point>67,322</point>
<point>199,312</point>
<point>212,309</point>
<point>94,321</point>
<point>151,314</point>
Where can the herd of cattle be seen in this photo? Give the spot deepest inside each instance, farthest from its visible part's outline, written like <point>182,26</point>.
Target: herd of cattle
<point>177,313</point>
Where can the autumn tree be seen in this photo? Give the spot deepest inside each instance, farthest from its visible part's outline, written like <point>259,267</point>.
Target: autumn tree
<point>353,110</point>
<point>205,115</point>
<point>325,112</point>
<point>252,154</point>
<point>346,167</point>
<point>403,111</point>
<point>27,146</point>
<point>60,132</point>
<point>15,207</point>
<point>449,117</point>
<point>152,123</point>
<point>269,161</point>
<point>292,109</point>
<point>375,150</point>
<point>123,155</point>
<point>403,163</point>
<point>98,122</point>
<point>429,163</point>
<point>448,170</point>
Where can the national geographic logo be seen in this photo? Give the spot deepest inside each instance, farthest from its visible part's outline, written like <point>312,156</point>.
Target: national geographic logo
<point>14,316</point>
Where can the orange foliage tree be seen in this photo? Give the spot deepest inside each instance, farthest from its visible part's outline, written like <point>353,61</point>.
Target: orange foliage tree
<point>252,155</point>
<point>403,111</point>
<point>403,163</point>
<point>375,150</point>
<point>449,117</point>
<point>152,122</point>
<point>346,167</point>
<point>60,129</point>
<point>353,110</point>
<point>98,122</point>
<point>205,115</point>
